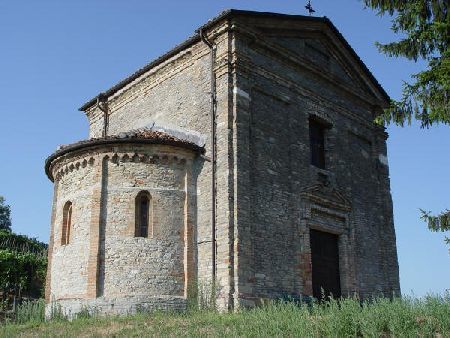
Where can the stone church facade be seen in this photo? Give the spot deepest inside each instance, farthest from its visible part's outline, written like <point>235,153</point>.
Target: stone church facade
<point>246,157</point>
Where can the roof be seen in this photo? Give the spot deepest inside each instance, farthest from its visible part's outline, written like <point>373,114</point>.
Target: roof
<point>140,136</point>
<point>226,15</point>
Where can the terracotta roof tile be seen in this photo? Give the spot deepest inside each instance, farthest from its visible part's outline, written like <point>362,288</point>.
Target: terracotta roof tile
<point>140,134</point>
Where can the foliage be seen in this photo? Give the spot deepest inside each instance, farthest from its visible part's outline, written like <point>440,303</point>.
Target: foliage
<point>23,264</point>
<point>425,29</point>
<point>439,223</point>
<point>21,243</point>
<point>407,317</point>
<point>5,215</point>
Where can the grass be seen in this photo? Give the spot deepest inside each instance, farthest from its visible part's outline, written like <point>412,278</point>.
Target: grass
<point>407,317</point>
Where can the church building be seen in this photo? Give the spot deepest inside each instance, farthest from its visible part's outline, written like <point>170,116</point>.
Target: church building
<point>245,160</point>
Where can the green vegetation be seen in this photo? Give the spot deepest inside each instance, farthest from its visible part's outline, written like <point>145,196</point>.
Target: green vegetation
<point>428,317</point>
<point>5,215</point>
<point>424,28</point>
<point>23,265</point>
<point>30,312</point>
<point>438,223</point>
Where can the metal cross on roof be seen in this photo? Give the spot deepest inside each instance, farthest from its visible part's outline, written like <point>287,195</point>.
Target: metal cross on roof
<point>309,8</point>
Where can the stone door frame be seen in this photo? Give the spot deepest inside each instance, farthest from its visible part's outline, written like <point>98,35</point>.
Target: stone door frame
<point>325,209</point>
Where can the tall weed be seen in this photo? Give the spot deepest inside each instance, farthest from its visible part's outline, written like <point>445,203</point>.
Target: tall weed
<point>349,317</point>
<point>31,311</point>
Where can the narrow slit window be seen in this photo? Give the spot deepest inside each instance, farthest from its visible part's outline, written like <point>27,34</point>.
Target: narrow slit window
<point>67,223</point>
<point>317,143</point>
<point>143,214</point>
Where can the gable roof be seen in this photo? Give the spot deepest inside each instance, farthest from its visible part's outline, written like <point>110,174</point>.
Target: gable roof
<point>230,13</point>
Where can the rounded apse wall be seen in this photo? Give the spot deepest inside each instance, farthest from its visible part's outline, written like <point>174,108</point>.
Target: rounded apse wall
<point>122,234</point>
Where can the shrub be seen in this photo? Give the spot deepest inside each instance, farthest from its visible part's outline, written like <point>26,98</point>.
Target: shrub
<point>23,265</point>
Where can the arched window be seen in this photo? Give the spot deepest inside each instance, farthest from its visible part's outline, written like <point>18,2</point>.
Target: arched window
<point>143,215</point>
<point>67,223</point>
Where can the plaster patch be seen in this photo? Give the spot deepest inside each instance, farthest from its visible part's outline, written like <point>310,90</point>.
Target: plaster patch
<point>383,159</point>
<point>240,92</point>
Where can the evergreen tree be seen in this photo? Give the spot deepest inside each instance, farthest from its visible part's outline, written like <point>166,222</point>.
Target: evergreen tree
<point>439,223</point>
<point>425,29</point>
<point>5,215</point>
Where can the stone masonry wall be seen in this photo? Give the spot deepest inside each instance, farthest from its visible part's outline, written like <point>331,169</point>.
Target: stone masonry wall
<point>270,80</point>
<point>69,263</point>
<point>128,272</point>
<point>276,95</point>
<point>144,266</point>
<point>177,94</point>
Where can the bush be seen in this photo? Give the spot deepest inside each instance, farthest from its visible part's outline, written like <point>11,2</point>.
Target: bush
<point>23,266</point>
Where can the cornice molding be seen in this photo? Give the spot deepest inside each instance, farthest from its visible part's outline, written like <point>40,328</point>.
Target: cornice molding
<point>67,164</point>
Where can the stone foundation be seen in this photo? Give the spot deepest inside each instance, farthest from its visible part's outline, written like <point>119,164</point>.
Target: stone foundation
<point>115,306</point>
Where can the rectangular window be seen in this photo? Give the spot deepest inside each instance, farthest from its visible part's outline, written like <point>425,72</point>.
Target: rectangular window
<point>317,143</point>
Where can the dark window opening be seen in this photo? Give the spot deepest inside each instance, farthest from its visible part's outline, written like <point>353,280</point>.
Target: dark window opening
<point>317,143</point>
<point>67,223</point>
<point>142,214</point>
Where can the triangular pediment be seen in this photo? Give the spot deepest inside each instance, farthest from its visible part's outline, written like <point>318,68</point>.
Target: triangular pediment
<point>318,53</point>
<point>319,45</point>
<point>326,196</point>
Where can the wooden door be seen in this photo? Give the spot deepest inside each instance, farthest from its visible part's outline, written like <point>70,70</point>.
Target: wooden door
<point>325,264</point>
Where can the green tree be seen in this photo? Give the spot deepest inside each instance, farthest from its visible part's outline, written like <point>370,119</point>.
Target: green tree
<point>23,265</point>
<point>424,26</point>
<point>5,215</point>
<point>439,223</point>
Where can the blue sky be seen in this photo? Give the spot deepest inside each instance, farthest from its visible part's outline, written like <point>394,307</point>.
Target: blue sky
<point>55,55</point>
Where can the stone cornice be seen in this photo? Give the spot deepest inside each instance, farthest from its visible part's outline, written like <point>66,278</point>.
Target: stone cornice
<point>65,166</point>
<point>58,165</point>
<point>326,196</point>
